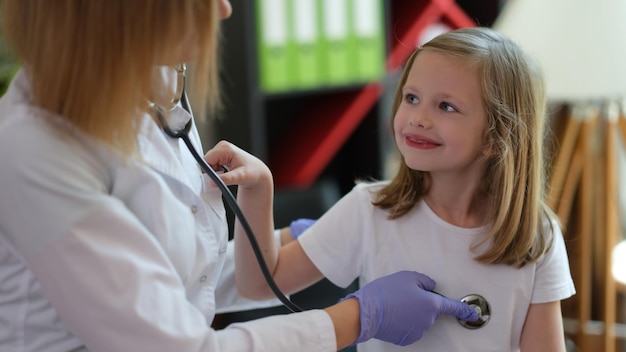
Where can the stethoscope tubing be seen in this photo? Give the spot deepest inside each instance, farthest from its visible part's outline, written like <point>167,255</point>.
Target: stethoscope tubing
<point>230,199</point>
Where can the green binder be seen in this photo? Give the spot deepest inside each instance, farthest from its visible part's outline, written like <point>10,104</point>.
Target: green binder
<point>335,25</point>
<point>277,57</point>
<point>368,39</point>
<point>307,40</point>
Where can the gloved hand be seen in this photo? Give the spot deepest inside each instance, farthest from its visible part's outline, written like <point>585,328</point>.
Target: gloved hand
<point>400,307</point>
<point>297,227</point>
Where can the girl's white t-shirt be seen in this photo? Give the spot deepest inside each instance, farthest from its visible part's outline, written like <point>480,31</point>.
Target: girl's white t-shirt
<point>355,239</point>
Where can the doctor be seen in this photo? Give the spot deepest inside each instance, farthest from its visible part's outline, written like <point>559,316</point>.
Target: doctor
<point>111,239</point>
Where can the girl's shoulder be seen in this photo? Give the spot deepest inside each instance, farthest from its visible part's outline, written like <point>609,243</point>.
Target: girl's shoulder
<point>549,225</point>
<point>369,186</point>
<point>368,189</point>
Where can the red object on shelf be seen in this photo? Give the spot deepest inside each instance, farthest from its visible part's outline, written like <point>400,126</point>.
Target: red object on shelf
<point>299,157</point>
<point>406,29</point>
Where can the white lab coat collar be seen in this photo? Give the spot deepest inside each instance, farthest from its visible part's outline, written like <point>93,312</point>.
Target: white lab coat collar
<point>160,151</point>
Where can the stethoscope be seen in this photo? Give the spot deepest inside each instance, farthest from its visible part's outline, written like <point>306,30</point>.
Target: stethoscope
<point>183,133</point>
<point>478,302</point>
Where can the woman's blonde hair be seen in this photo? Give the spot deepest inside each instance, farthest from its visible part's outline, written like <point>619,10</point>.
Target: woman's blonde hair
<point>513,184</point>
<point>91,62</point>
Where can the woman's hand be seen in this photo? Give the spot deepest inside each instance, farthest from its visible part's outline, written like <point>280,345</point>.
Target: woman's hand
<point>400,307</point>
<point>244,169</point>
<point>294,230</point>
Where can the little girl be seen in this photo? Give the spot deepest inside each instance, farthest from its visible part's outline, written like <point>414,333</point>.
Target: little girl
<point>466,206</point>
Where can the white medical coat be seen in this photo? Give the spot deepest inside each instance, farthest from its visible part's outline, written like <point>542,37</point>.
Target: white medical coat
<point>102,253</point>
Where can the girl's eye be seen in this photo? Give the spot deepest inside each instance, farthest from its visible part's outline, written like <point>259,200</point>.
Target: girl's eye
<point>411,99</point>
<point>447,107</point>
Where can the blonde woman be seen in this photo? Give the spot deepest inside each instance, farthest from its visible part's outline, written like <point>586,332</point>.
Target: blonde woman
<point>466,206</point>
<point>111,239</point>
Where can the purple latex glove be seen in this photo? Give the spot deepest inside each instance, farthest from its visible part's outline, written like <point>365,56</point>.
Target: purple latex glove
<point>400,307</point>
<point>298,226</point>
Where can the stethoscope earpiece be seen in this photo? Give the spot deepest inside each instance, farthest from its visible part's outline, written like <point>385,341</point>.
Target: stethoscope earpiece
<point>480,304</point>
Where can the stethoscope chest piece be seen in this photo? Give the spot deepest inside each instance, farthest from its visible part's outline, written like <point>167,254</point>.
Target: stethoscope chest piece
<point>480,304</point>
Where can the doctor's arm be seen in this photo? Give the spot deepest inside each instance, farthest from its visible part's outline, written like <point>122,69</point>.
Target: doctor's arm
<point>294,271</point>
<point>255,194</point>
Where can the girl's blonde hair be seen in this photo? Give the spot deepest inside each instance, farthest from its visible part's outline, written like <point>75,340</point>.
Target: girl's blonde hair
<point>91,62</point>
<point>513,184</point>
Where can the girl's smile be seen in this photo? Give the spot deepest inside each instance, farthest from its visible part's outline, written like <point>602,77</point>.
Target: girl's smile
<point>420,142</point>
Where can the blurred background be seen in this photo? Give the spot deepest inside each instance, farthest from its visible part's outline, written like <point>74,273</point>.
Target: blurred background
<point>308,87</point>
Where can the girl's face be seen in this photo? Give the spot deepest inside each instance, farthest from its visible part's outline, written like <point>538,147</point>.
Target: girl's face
<point>440,121</point>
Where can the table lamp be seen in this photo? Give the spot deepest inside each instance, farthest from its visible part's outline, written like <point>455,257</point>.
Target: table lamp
<point>581,44</point>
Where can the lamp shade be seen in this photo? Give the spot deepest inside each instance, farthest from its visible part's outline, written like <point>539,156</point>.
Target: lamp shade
<point>581,44</point>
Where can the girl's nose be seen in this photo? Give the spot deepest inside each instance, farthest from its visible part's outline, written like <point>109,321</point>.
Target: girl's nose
<point>420,119</point>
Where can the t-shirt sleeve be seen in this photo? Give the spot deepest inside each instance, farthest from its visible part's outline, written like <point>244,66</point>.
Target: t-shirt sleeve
<point>335,243</point>
<point>553,280</point>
